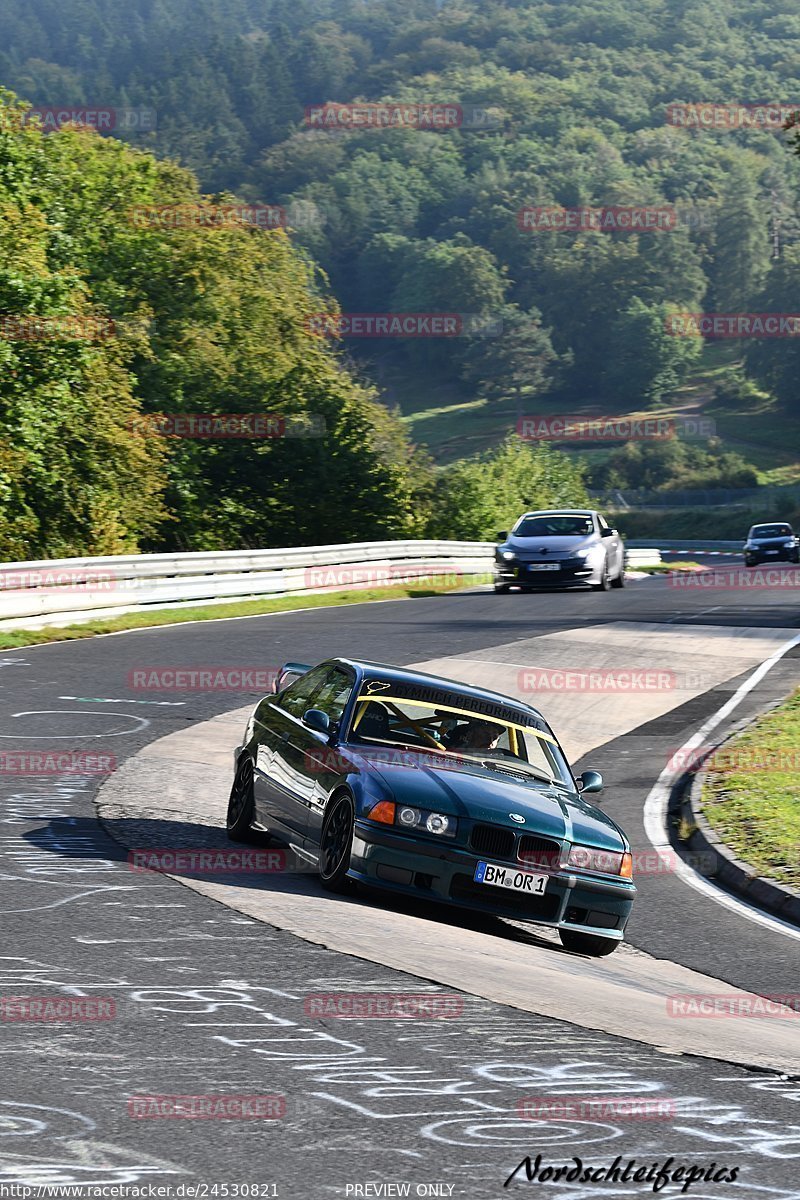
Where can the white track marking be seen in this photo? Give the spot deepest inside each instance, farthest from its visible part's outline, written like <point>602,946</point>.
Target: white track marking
<point>107,700</point>
<point>657,802</point>
<point>141,723</point>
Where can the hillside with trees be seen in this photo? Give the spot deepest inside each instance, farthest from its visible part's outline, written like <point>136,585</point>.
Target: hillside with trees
<point>578,95</point>
<point>191,320</point>
<point>569,105</point>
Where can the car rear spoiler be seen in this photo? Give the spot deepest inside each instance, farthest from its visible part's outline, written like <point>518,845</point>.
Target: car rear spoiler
<point>287,674</point>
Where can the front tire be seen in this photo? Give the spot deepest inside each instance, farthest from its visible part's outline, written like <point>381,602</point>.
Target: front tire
<point>605,581</point>
<point>587,943</point>
<point>241,805</point>
<point>336,843</point>
<point>500,589</point>
<point>619,581</point>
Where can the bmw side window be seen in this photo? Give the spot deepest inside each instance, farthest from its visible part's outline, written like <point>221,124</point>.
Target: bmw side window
<point>297,697</point>
<point>334,694</point>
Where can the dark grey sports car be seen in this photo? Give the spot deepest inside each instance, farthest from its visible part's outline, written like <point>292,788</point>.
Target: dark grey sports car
<point>771,543</point>
<point>560,548</point>
<point>434,789</point>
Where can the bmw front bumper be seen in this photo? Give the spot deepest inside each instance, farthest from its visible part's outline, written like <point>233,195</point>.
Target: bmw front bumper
<point>386,858</point>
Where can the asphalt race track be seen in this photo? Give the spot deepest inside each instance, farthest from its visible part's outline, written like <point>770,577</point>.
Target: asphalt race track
<point>211,1001</point>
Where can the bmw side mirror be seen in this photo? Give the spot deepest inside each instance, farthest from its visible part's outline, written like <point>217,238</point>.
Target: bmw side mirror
<point>590,781</point>
<point>317,720</point>
<point>607,532</point>
<point>502,535</point>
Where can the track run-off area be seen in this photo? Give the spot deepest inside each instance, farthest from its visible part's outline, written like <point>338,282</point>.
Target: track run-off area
<point>210,976</point>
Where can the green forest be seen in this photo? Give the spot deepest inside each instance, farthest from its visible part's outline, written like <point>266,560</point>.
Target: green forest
<point>564,105</point>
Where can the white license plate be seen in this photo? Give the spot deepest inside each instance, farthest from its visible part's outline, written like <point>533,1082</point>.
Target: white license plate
<point>509,877</point>
<point>543,566</point>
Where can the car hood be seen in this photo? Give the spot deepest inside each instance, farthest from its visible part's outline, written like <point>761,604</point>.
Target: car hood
<point>552,545</point>
<point>479,794</point>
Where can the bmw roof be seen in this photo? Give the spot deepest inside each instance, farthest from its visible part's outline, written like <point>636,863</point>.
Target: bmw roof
<point>373,670</point>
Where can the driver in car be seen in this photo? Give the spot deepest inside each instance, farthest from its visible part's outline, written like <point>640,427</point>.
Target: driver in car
<point>477,735</point>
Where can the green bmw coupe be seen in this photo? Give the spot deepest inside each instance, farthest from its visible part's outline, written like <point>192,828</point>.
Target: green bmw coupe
<point>434,789</point>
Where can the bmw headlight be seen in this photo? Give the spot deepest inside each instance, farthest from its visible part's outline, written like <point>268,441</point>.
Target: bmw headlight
<point>609,862</point>
<point>422,819</point>
<point>438,823</point>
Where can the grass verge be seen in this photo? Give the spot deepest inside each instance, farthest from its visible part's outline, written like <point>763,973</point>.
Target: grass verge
<point>665,568</point>
<point>12,639</point>
<point>751,795</point>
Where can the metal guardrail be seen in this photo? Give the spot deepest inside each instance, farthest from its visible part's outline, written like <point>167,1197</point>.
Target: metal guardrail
<point>641,556</point>
<point>67,590</point>
<point>31,593</point>
<point>698,543</point>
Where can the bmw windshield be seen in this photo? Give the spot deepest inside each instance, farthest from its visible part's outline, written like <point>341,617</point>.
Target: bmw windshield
<point>449,733</point>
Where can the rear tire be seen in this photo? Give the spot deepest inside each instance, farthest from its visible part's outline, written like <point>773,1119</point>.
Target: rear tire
<point>241,805</point>
<point>587,943</point>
